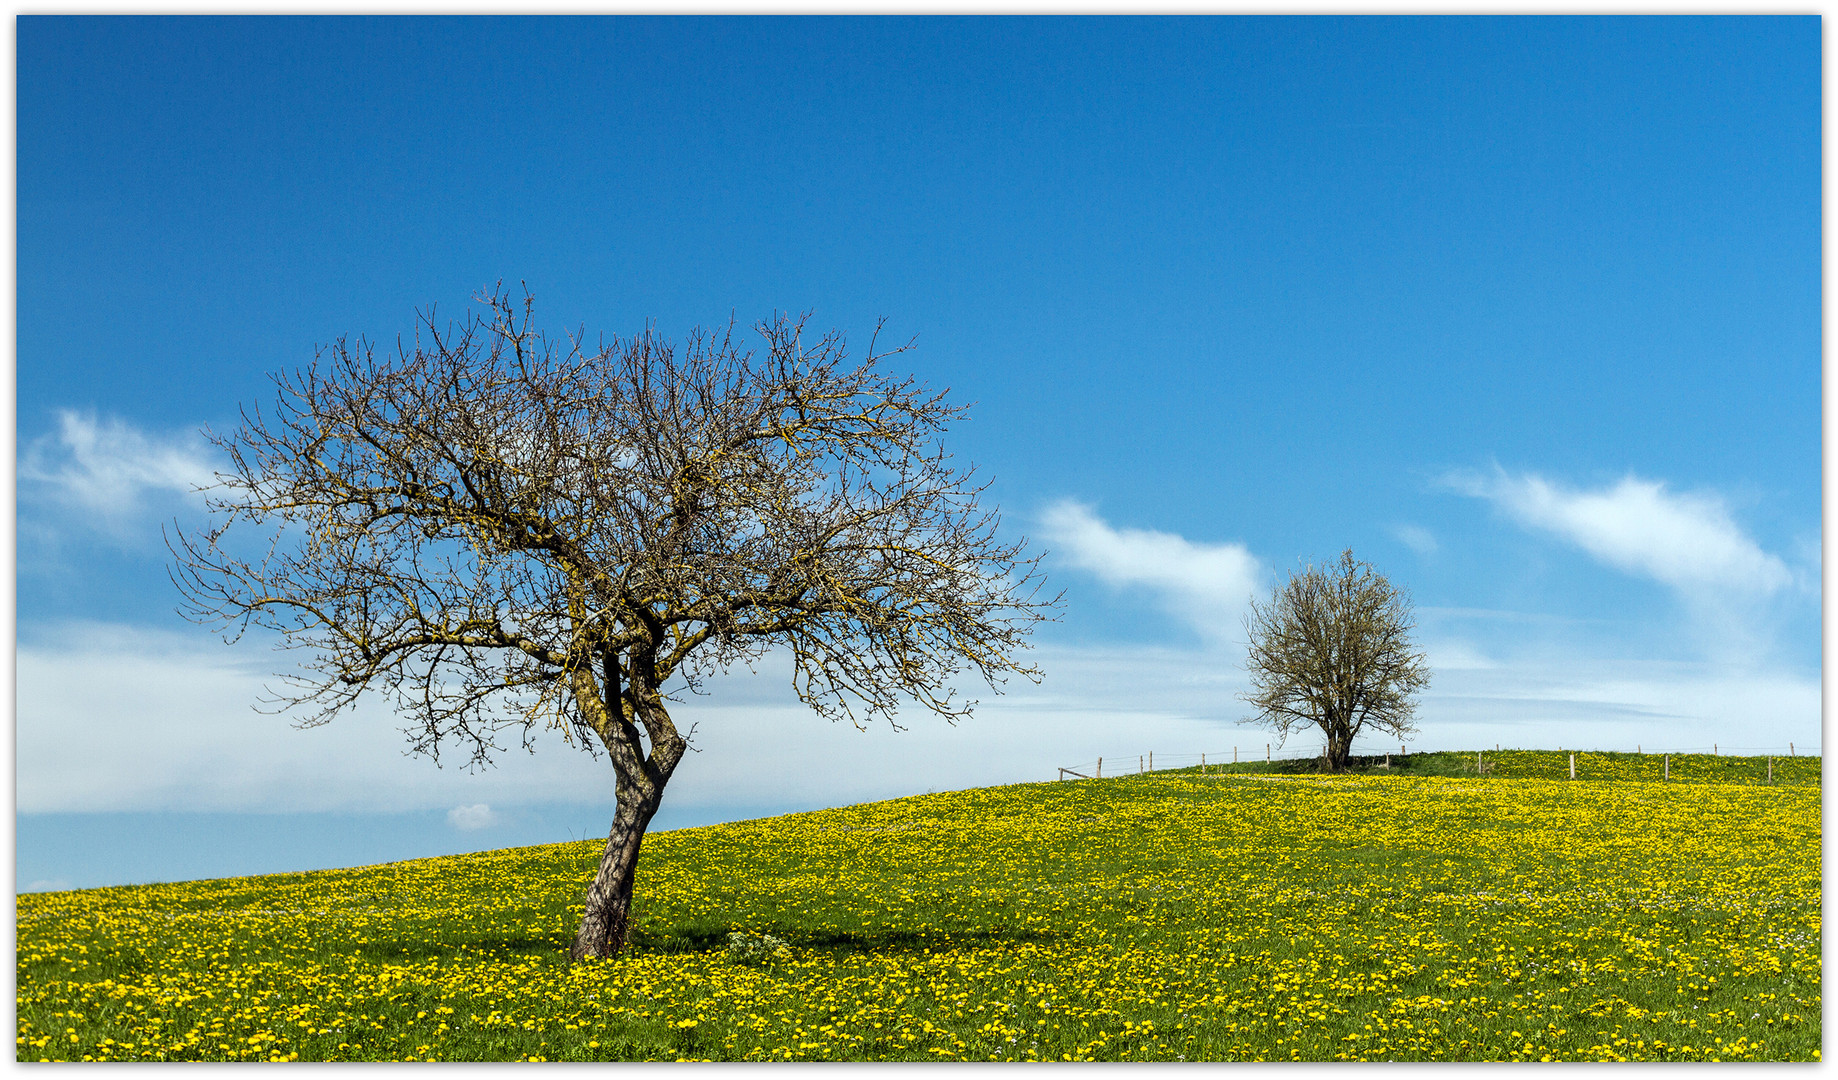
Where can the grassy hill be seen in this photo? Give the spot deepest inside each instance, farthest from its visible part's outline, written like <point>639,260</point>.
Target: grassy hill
<point>1168,916</point>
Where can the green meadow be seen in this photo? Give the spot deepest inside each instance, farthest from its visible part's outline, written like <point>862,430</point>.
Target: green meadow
<point>1407,911</point>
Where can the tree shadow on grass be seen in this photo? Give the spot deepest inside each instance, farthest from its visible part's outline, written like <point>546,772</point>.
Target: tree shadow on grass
<point>702,936</point>
<point>413,949</point>
<point>712,936</point>
<point>895,940</point>
<point>689,937</point>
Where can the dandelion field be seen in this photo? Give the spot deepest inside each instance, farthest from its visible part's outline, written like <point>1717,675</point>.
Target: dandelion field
<point>1168,916</point>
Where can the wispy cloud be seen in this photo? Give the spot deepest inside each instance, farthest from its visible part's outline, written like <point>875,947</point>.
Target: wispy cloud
<point>1732,590</point>
<point>1207,585</point>
<point>472,818</point>
<point>103,468</point>
<point>1687,540</point>
<point>1416,537</point>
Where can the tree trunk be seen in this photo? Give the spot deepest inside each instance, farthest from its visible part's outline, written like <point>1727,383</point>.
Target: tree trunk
<point>606,920</point>
<point>1339,749</point>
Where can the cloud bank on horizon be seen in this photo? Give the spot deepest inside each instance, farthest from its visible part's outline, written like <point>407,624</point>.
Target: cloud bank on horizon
<point>122,721</point>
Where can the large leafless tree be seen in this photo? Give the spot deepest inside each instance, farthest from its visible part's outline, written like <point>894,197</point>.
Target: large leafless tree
<point>1331,649</point>
<point>506,532</point>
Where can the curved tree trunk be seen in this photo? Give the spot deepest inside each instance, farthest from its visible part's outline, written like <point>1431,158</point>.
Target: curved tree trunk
<point>606,920</point>
<point>607,907</point>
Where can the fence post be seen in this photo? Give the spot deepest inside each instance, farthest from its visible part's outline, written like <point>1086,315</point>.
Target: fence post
<point>1668,773</point>
<point>1202,764</point>
<point>1139,763</point>
<point>1770,770</point>
<point>1477,763</point>
<point>1151,761</point>
<point>1573,765</point>
<point>1234,755</point>
<point>1100,768</point>
<point>1789,749</point>
<point>1266,752</point>
<point>1713,750</point>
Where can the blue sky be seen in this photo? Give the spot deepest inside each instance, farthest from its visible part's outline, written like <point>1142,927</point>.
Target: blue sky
<point>1525,311</point>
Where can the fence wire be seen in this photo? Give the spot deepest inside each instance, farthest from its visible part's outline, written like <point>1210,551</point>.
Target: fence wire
<point>1150,761</point>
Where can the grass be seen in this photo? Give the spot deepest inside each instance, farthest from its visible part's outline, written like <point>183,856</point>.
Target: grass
<point>1167,916</point>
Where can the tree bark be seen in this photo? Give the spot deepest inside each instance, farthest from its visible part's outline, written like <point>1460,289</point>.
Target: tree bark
<point>606,922</point>
<point>641,778</point>
<point>1339,748</point>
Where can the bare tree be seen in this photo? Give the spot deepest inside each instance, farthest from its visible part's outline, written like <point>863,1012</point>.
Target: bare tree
<point>503,532</point>
<point>1332,648</point>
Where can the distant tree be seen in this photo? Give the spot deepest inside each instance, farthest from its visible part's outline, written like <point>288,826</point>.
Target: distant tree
<point>1332,649</point>
<point>501,532</point>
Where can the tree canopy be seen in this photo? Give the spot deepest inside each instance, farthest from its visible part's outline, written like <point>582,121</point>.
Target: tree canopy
<point>505,533</point>
<point>1331,649</point>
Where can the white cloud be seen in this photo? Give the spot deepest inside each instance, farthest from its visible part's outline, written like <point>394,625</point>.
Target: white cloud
<point>116,718</point>
<point>47,885</point>
<point>103,467</point>
<point>1416,537</point>
<point>1452,654</point>
<point>471,818</point>
<point>1687,540</point>
<point>1208,585</point>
